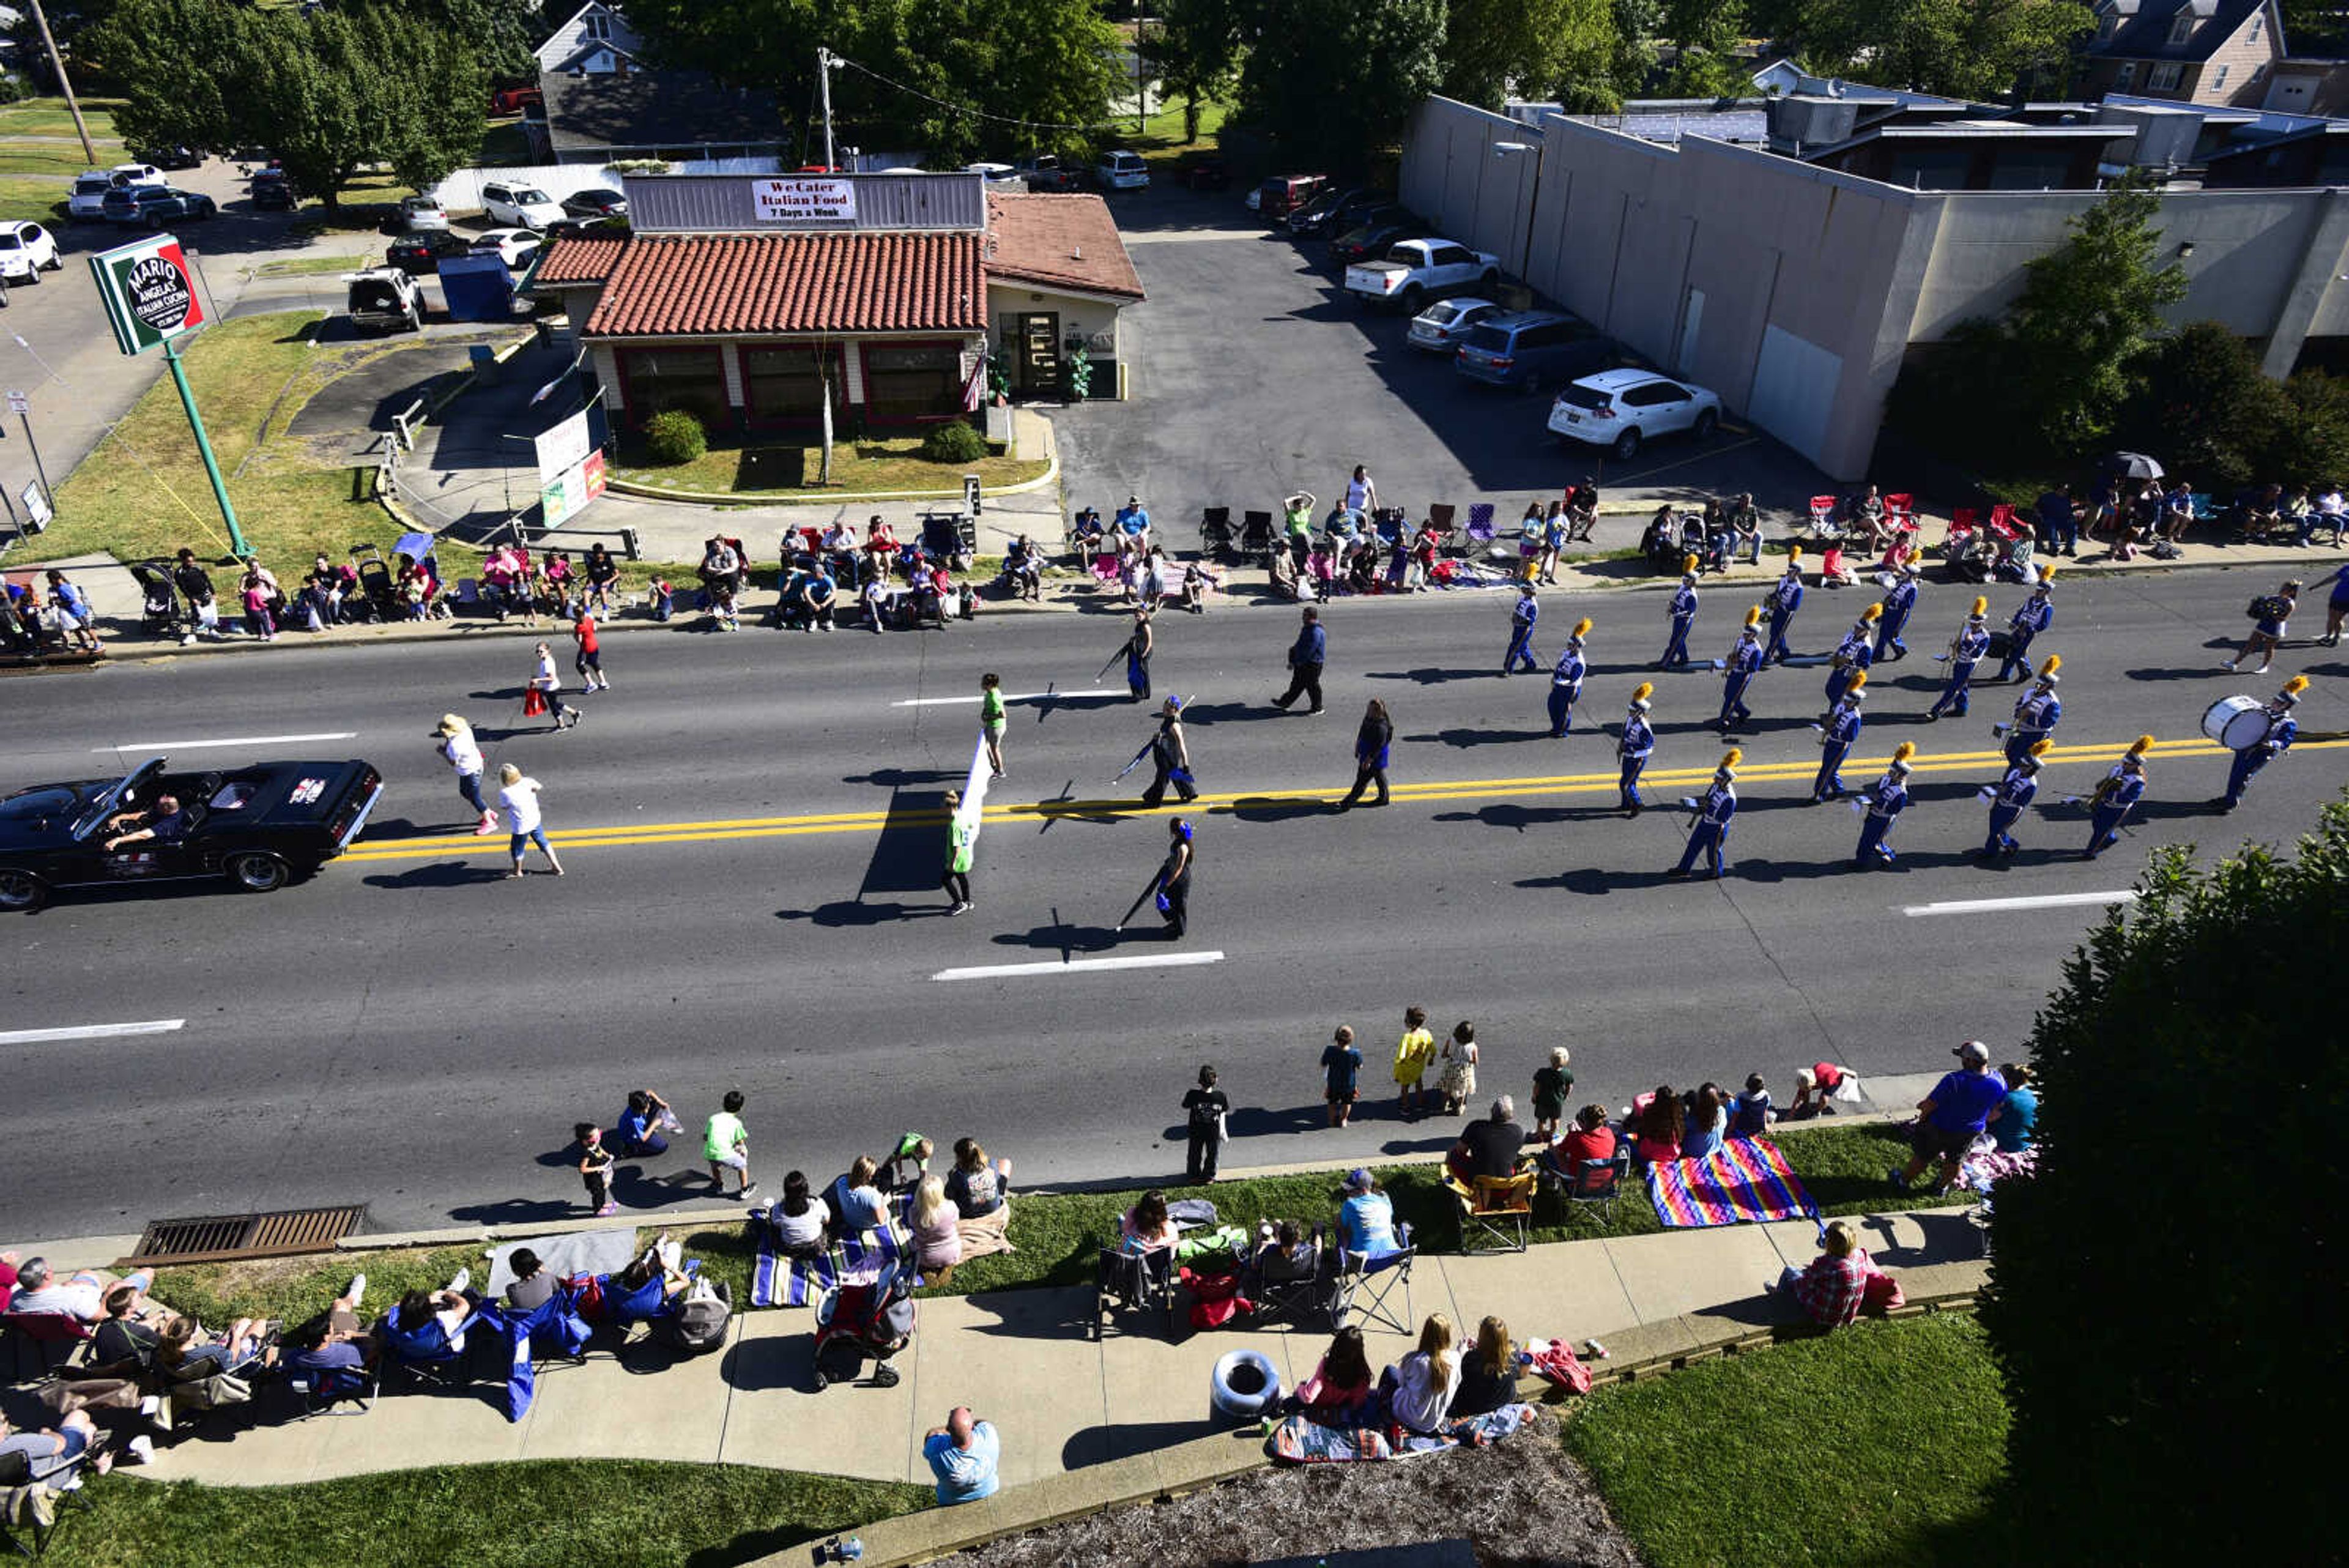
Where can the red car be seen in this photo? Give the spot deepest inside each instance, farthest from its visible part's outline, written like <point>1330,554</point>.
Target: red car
<point>515,99</point>
<point>1283,195</point>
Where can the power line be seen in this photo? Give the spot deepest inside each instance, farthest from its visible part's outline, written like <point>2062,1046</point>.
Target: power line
<point>965,109</point>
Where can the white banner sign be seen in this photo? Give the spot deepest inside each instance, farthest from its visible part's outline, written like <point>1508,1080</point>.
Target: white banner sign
<point>37,505</point>
<point>563,446</point>
<point>792,200</point>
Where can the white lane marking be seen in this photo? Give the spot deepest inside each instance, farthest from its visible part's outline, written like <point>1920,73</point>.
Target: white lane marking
<point>1056,966</point>
<point>91,1032</point>
<point>2047,901</point>
<point>1018,697</point>
<point>240,741</point>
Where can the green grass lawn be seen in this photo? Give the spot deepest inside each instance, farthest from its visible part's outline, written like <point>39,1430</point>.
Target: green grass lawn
<point>1056,1233</point>
<point>612,1513</point>
<point>36,177</point>
<point>1160,143</point>
<point>304,266</point>
<point>1878,1444</point>
<point>142,491</point>
<point>49,117</point>
<point>760,472</point>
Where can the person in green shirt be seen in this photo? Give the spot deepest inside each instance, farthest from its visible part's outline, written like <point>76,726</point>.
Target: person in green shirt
<point>960,836</point>
<point>726,1145</point>
<point>1297,515</point>
<point>992,721</point>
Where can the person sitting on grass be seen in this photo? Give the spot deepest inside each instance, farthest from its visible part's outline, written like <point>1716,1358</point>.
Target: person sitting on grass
<point>938,1231</point>
<point>1838,1283</point>
<point>1708,1124</point>
<point>857,1204</point>
<point>978,1186</point>
<point>801,1222</point>
<point>1338,1391</point>
<point>1749,1114</point>
<point>1146,1226</point>
<point>2010,1126</point>
<point>1816,1088</point>
<point>1489,1373</point>
<point>1419,1387</point>
<point>1366,1221</point>
<point>1658,1127</point>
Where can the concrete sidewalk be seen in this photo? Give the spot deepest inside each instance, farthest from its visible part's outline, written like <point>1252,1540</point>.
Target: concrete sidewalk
<point>1027,1361</point>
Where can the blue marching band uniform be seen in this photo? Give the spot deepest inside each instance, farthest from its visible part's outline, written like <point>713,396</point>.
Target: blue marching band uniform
<point>2281,732</point>
<point>2008,798</point>
<point>1684,617</point>
<point>1743,662</point>
<point>2117,796</point>
<point>1709,835</point>
<point>1887,798</point>
<point>1899,599</point>
<point>2036,712</point>
<point>2037,614</point>
<point>1785,600</point>
<point>1853,655</point>
<point>1837,735</point>
<point>1565,680</point>
<point>1639,739</point>
<point>1966,650</point>
<point>1521,633</point>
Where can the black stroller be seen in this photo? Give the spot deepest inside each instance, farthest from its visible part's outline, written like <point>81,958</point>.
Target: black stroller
<point>377,592</point>
<point>860,1318</point>
<point>160,611</point>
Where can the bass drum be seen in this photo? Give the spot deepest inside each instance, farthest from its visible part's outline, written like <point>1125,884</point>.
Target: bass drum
<point>2237,723</point>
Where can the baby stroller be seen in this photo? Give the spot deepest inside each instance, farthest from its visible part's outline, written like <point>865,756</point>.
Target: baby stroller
<point>858,1318</point>
<point>160,608</point>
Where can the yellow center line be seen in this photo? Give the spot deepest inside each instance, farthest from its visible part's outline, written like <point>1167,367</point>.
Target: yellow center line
<point>731,829</point>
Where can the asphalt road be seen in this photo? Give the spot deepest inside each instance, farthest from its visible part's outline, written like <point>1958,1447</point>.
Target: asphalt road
<point>753,842</point>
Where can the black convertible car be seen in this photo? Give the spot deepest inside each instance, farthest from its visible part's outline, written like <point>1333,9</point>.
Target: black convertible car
<point>258,827</point>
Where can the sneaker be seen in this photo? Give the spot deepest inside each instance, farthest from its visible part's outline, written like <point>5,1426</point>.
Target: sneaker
<point>464,1278</point>
<point>357,1293</point>
<point>487,826</point>
<point>151,1410</point>
<point>607,1211</point>
<point>140,1450</point>
<point>747,1191</point>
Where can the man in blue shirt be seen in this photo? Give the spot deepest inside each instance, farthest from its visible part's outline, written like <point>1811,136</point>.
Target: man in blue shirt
<point>1306,655</point>
<point>1520,654</point>
<point>1709,835</point>
<point>1837,735</point>
<point>1785,600</point>
<point>2281,732</point>
<point>2009,797</point>
<point>2059,522</point>
<point>1898,600</point>
<point>1565,680</point>
<point>1639,739</point>
<point>1684,617</point>
<point>1951,1117</point>
<point>1133,519</point>
<point>963,1455</point>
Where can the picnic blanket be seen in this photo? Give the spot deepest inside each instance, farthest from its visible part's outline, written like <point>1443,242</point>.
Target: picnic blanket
<point>1984,1167</point>
<point>600,1252</point>
<point>778,1280</point>
<point>1746,1179</point>
<point>1303,1441</point>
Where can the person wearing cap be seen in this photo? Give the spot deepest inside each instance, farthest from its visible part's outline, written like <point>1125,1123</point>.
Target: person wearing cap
<point>1522,616</point>
<point>1709,835</point>
<point>462,752</point>
<point>2117,796</point>
<point>1366,1221</point>
<point>1132,520</point>
<point>1887,797</point>
<point>1966,650</point>
<point>1899,599</point>
<point>1638,741</point>
<point>1853,655</point>
<point>2281,732</point>
<point>1951,1117</point>
<point>1306,657</point>
<point>1683,618</point>
<point>1837,734</point>
<point>2270,612</point>
<point>1170,755</point>
<point>1786,598</point>
<point>2036,712</point>
<point>2035,615</point>
<point>2007,799</point>
<point>1565,680</point>
<point>1744,661</point>
<point>1174,880</point>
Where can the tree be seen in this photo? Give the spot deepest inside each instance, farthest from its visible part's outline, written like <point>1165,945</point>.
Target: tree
<point>1492,47</point>
<point>2311,442</point>
<point>2206,409</point>
<point>504,34</point>
<point>1333,81</point>
<point>1964,48</point>
<point>2162,1288</point>
<point>1194,47</point>
<point>1705,34</point>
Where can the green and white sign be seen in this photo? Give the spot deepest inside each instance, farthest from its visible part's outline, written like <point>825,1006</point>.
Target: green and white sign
<point>149,291</point>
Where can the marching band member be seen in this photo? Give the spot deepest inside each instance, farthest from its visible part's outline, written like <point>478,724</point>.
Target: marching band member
<point>1966,649</point>
<point>2037,614</point>
<point>1565,680</point>
<point>2117,796</point>
<point>1522,618</point>
<point>1837,736</point>
<point>2281,730</point>
<point>1683,616</point>
<point>1854,654</point>
<point>1898,600</point>
<point>1709,835</point>
<point>2036,711</point>
<point>1887,797</point>
<point>1785,600</point>
<point>1744,661</point>
<point>1638,741</point>
<point>2008,798</point>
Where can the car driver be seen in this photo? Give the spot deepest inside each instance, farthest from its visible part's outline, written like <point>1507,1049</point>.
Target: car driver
<point>167,824</point>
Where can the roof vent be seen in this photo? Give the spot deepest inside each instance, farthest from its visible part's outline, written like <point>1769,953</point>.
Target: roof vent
<point>1077,255</point>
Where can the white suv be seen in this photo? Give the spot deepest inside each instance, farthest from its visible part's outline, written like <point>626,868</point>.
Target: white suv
<point>1122,171</point>
<point>27,251</point>
<point>1621,409</point>
<point>524,206</point>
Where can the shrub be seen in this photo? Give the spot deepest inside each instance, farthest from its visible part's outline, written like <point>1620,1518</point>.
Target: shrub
<point>953,443</point>
<point>675,436</point>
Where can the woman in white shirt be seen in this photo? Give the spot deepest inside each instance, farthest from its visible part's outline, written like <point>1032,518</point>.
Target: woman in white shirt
<point>518,796</point>
<point>462,753</point>
<point>1361,495</point>
<point>1427,1379</point>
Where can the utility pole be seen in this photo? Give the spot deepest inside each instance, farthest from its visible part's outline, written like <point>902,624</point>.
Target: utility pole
<point>823,75</point>
<point>65,85</point>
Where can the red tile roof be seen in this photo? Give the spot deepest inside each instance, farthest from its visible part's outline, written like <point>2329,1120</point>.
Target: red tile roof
<point>1071,241</point>
<point>578,261</point>
<point>719,285</point>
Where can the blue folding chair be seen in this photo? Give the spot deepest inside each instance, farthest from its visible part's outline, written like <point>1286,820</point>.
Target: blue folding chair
<point>550,1330</point>
<point>429,1353</point>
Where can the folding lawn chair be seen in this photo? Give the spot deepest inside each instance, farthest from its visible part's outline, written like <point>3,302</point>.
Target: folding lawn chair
<point>1299,1289</point>
<point>1596,1181</point>
<point>322,1390</point>
<point>2002,521</point>
<point>1499,1207</point>
<point>1367,1283</point>
<point>1133,1282</point>
<point>1480,529</point>
<point>1823,523</point>
<point>1216,530</point>
<point>50,1339</point>
<point>1900,508</point>
<point>430,1354</point>
<point>31,1510</point>
<point>1440,516</point>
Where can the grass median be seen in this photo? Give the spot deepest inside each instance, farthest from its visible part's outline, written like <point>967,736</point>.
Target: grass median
<point>1876,1444</point>
<point>611,1513</point>
<point>759,471</point>
<point>1056,1233</point>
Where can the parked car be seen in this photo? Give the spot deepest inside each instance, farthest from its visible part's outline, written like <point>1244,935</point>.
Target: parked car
<point>420,254</point>
<point>1441,325</point>
<point>423,215</point>
<point>1122,171</point>
<point>259,828</point>
<point>1413,269</point>
<point>1534,348</point>
<point>587,228</point>
<point>1372,240</point>
<point>135,174</point>
<point>523,206</point>
<point>27,251</point>
<point>1275,198</point>
<point>1046,172</point>
<point>168,158</point>
<point>595,201</point>
<point>384,299</point>
<point>512,246</point>
<point>271,190</point>
<point>1622,410</point>
<point>1334,212</point>
<point>1204,171</point>
<point>516,99</point>
<point>156,206</point>
<point>88,194</point>
<point>993,173</point>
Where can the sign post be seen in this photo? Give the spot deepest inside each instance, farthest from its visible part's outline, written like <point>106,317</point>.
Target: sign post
<point>22,406</point>
<point>149,289</point>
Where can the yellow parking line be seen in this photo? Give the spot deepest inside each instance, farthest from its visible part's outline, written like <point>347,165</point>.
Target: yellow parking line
<point>734,829</point>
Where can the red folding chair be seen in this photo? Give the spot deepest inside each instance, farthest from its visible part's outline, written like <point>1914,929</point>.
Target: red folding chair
<point>2002,522</point>
<point>1962,523</point>
<point>1822,512</point>
<point>1901,506</point>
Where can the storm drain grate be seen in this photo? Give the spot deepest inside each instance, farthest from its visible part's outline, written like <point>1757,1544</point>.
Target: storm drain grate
<point>226,1237</point>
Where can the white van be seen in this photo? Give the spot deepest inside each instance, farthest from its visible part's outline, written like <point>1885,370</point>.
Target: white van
<point>520,206</point>
<point>1122,171</point>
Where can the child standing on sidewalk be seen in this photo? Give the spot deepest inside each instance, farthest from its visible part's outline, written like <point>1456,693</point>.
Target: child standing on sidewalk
<point>595,1168</point>
<point>1415,1053</point>
<point>1457,1086</point>
<point>1552,1085</point>
<point>1341,1068</point>
<point>726,1145</point>
<point>1204,1108</point>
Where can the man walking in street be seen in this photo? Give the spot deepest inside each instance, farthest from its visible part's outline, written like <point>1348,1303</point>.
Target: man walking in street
<point>1306,657</point>
<point>1887,797</point>
<point>1899,599</point>
<point>1785,600</point>
<point>1744,661</point>
<point>1174,880</point>
<point>2036,711</point>
<point>1565,680</point>
<point>726,1145</point>
<point>1709,835</point>
<point>2007,800</point>
<point>1839,734</point>
<point>1684,617</point>
<point>2281,732</point>
<point>1170,755</point>
<point>1966,650</point>
<point>2036,614</point>
<point>1372,744</point>
<point>1520,654</point>
<point>1639,739</point>
<point>2117,796</point>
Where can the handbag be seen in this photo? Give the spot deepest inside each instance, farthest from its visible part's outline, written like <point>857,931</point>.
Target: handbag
<point>534,703</point>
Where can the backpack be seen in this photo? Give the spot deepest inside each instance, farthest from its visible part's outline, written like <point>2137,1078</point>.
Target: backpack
<point>699,1322</point>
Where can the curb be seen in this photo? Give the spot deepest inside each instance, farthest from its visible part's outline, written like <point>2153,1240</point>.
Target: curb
<point>1051,475</point>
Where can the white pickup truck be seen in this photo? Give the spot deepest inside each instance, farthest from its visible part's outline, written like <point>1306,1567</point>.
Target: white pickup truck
<point>1414,270</point>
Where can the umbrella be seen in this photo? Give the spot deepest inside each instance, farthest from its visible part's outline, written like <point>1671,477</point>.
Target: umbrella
<point>2134,465</point>
<point>415,546</point>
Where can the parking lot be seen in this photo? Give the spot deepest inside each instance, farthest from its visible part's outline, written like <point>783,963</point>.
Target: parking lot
<point>1253,375</point>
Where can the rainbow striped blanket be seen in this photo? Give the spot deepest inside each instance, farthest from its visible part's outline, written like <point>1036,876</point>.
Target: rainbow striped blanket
<point>1748,1178</point>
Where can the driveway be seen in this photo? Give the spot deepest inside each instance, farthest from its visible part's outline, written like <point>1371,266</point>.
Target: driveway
<point>1253,375</point>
